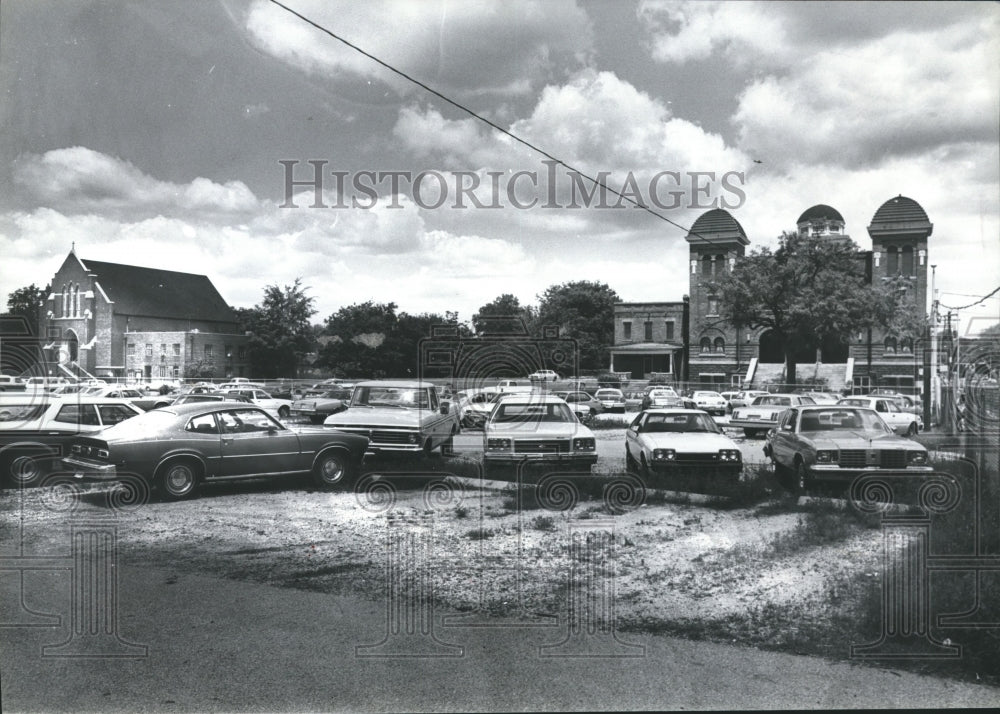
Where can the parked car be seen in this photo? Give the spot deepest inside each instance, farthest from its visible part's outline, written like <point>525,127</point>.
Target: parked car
<point>674,441</point>
<point>905,402</point>
<point>280,407</point>
<point>10,383</point>
<point>176,449</point>
<point>661,397</point>
<point>317,408</point>
<point>514,385</point>
<point>143,401</point>
<point>583,405</point>
<point>745,398</point>
<point>763,413</point>
<point>475,406</point>
<point>201,397</point>
<point>399,416</point>
<point>612,400</point>
<point>823,397</point>
<point>711,402</point>
<point>239,383</point>
<point>538,428</point>
<point>835,444</point>
<point>543,375</point>
<point>901,422</point>
<point>36,429</point>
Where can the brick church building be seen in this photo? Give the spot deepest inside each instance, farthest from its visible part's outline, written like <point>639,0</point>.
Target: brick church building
<point>110,320</point>
<point>686,341</point>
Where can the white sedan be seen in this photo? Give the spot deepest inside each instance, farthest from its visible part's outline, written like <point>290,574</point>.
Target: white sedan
<point>679,441</point>
<point>901,422</point>
<point>712,402</point>
<point>280,407</point>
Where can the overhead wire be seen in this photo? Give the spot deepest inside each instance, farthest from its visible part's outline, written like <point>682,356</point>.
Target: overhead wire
<point>984,298</point>
<point>494,125</point>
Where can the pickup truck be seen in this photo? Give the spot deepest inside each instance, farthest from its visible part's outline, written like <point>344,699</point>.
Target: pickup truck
<point>399,416</point>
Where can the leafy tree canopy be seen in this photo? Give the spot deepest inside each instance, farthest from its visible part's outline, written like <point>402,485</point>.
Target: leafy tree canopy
<point>24,301</point>
<point>504,316</point>
<point>584,311</point>
<point>280,332</point>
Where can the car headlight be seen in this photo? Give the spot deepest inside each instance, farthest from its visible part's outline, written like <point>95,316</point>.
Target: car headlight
<point>75,449</point>
<point>730,455</point>
<point>916,457</point>
<point>826,456</point>
<point>498,444</point>
<point>584,444</point>
<point>664,454</point>
<point>414,438</point>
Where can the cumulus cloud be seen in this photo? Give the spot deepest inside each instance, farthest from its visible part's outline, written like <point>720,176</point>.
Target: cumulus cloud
<point>83,180</point>
<point>475,48</point>
<point>825,110</point>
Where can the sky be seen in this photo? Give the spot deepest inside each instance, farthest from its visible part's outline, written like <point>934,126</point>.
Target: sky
<point>154,134</point>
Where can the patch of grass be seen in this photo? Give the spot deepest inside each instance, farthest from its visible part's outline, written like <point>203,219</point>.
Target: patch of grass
<point>480,533</point>
<point>543,523</point>
<point>461,512</point>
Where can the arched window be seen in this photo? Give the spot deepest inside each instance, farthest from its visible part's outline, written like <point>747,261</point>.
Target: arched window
<point>906,345</point>
<point>890,345</point>
<point>720,264</point>
<point>706,345</point>
<point>706,265</point>
<point>65,301</point>
<point>720,345</point>
<point>76,300</point>
<point>892,260</point>
<point>907,260</point>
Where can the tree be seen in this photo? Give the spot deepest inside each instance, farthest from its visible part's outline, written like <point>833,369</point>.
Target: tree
<point>24,302</point>
<point>807,290</point>
<point>280,333</point>
<point>584,311</point>
<point>504,316</point>
<point>372,339</point>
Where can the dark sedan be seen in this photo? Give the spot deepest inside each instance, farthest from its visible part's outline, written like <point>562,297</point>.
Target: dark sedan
<point>176,448</point>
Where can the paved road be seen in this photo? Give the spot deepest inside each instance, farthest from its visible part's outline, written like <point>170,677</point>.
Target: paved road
<point>222,645</point>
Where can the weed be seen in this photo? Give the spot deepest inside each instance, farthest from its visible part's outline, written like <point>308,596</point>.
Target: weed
<point>480,533</point>
<point>461,512</point>
<point>543,523</point>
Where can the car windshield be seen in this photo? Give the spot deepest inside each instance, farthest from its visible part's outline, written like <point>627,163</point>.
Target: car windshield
<point>336,394</point>
<point>520,412</point>
<point>772,402</point>
<point>402,397</point>
<point>707,394</point>
<point>609,393</point>
<point>841,419</point>
<point>659,423</point>
<point>661,394</point>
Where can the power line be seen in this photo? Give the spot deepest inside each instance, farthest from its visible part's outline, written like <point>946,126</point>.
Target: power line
<point>486,121</point>
<point>984,298</point>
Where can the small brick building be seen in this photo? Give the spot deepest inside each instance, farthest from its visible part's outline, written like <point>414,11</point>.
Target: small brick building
<point>124,321</point>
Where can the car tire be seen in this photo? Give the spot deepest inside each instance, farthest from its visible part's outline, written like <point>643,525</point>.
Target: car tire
<point>283,412</point>
<point>331,470</point>
<point>317,419</point>
<point>630,465</point>
<point>178,479</point>
<point>912,431</point>
<point>751,433</point>
<point>800,477</point>
<point>644,469</point>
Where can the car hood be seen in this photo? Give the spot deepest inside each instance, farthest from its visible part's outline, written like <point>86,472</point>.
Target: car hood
<point>840,439</point>
<point>379,417</point>
<point>689,441</point>
<point>317,403</point>
<point>544,430</point>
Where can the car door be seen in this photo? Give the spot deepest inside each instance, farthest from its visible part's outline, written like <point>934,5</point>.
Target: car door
<point>784,442</point>
<point>253,443</point>
<point>891,414</point>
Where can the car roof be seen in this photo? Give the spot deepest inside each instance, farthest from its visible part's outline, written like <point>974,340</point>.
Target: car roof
<point>194,407</point>
<point>404,383</point>
<point>674,410</point>
<point>532,398</point>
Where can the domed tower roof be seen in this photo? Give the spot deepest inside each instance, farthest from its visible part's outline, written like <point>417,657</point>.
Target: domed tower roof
<point>900,216</point>
<point>820,212</point>
<point>717,226</point>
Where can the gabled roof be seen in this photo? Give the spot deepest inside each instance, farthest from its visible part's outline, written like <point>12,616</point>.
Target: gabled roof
<point>160,293</point>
